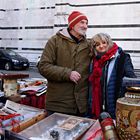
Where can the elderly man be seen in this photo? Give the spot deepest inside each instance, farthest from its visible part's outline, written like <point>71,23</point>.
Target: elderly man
<point>64,63</point>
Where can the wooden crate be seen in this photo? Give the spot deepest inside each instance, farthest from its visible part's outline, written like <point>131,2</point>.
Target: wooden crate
<point>35,115</point>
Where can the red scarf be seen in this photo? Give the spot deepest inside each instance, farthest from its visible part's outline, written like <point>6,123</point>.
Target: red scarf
<point>95,77</point>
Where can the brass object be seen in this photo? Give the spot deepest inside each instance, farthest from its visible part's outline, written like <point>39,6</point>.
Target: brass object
<point>128,115</point>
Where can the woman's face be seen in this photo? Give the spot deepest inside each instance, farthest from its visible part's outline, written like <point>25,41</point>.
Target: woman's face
<point>102,47</point>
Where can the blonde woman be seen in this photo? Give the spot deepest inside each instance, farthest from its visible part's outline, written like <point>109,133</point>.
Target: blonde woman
<point>109,66</point>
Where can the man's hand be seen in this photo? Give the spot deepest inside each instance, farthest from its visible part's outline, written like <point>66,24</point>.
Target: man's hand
<point>75,76</point>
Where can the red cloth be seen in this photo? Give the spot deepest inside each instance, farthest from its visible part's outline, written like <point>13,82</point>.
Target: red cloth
<point>35,101</point>
<point>95,77</point>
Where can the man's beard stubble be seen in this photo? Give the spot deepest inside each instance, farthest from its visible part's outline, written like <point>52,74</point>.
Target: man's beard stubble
<point>82,32</point>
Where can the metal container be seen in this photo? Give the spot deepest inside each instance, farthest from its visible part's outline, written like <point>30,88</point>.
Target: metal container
<point>58,127</point>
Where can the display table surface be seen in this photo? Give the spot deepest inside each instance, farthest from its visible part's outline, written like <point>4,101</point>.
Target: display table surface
<point>13,76</point>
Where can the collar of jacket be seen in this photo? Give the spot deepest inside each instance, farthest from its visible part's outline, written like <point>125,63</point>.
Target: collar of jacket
<point>65,34</point>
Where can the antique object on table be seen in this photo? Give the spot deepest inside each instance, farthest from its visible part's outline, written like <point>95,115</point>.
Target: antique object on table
<point>34,95</point>
<point>9,82</point>
<point>54,134</point>
<point>128,112</point>
<point>108,127</point>
<point>58,127</point>
<point>18,117</point>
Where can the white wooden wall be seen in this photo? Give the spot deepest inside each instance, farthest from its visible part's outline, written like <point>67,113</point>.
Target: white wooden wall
<point>26,25</point>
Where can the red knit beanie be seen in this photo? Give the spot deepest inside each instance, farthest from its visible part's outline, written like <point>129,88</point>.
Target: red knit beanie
<point>74,18</point>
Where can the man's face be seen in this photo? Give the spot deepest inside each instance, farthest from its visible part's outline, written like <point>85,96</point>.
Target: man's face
<point>81,27</point>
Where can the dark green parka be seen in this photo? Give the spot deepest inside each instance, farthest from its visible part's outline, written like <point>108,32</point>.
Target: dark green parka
<point>61,56</point>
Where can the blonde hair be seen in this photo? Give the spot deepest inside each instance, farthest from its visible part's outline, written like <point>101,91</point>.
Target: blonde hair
<point>99,38</point>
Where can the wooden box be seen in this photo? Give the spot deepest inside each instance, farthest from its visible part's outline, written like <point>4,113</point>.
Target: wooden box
<point>31,115</point>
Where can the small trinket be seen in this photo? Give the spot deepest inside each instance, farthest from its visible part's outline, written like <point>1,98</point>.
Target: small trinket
<point>54,134</point>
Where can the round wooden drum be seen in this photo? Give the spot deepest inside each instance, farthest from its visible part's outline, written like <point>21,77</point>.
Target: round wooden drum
<point>128,116</point>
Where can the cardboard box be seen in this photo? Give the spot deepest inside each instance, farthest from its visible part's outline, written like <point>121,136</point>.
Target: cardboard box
<point>58,126</point>
<point>28,116</point>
